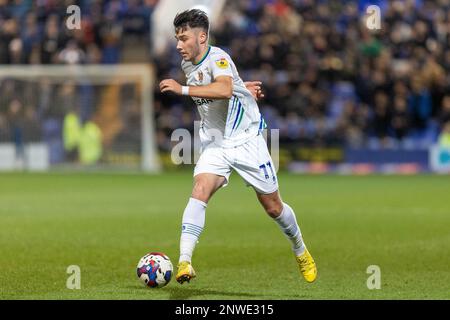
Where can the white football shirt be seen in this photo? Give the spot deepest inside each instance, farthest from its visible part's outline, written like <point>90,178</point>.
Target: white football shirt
<point>227,122</point>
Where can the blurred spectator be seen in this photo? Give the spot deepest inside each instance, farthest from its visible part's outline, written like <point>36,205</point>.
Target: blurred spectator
<point>72,54</point>
<point>52,40</point>
<point>15,119</point>
<point>444,116</point>
<point>382,115</point>
<point>419,102</point>
<point>444,137</point>
<point>400,121</point>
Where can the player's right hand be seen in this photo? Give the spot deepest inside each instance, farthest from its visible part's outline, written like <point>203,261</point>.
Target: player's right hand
<point>170,85</point>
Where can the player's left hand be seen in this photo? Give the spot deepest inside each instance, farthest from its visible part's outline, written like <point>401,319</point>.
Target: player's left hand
<point>255,89</point>
<point>170,85</point>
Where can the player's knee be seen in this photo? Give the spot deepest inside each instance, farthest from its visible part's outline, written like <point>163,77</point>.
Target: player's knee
<point>274,209</point>
<point>200,191</point>
<point>272,204</point>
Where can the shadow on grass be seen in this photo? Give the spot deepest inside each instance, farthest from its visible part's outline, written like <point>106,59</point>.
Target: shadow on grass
<point>184,293</point>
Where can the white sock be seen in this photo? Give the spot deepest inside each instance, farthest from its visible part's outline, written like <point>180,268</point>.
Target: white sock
<point>192,227</point>
<point>288,224</point>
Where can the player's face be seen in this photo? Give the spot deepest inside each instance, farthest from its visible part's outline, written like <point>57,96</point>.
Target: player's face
<point>188,43</point>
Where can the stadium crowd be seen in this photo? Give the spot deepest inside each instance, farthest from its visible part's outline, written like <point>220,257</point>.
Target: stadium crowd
<point>35,33</point>
<point>326,77</point>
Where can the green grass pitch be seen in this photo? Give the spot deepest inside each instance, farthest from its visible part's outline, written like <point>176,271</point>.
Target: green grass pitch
<point>105,222</point>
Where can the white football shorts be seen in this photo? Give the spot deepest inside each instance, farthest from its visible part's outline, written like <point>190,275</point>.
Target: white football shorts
<point>251,160</point>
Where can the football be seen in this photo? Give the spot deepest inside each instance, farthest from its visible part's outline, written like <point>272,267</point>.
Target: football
<point>155,270</point>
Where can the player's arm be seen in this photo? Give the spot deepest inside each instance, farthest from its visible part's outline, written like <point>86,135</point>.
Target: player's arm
<point>220,88</point>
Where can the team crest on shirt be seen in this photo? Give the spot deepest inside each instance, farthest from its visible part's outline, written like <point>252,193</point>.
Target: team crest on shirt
<point>222,63</point>
<point>200,76</point>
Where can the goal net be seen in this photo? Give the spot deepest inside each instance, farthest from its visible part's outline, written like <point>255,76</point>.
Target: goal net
<point>75,116</point>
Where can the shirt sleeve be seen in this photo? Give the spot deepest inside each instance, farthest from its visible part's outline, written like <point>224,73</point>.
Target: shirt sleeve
<point>220,65</point>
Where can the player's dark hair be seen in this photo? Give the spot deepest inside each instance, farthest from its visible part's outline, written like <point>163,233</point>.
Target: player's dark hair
<point>194,18</point>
